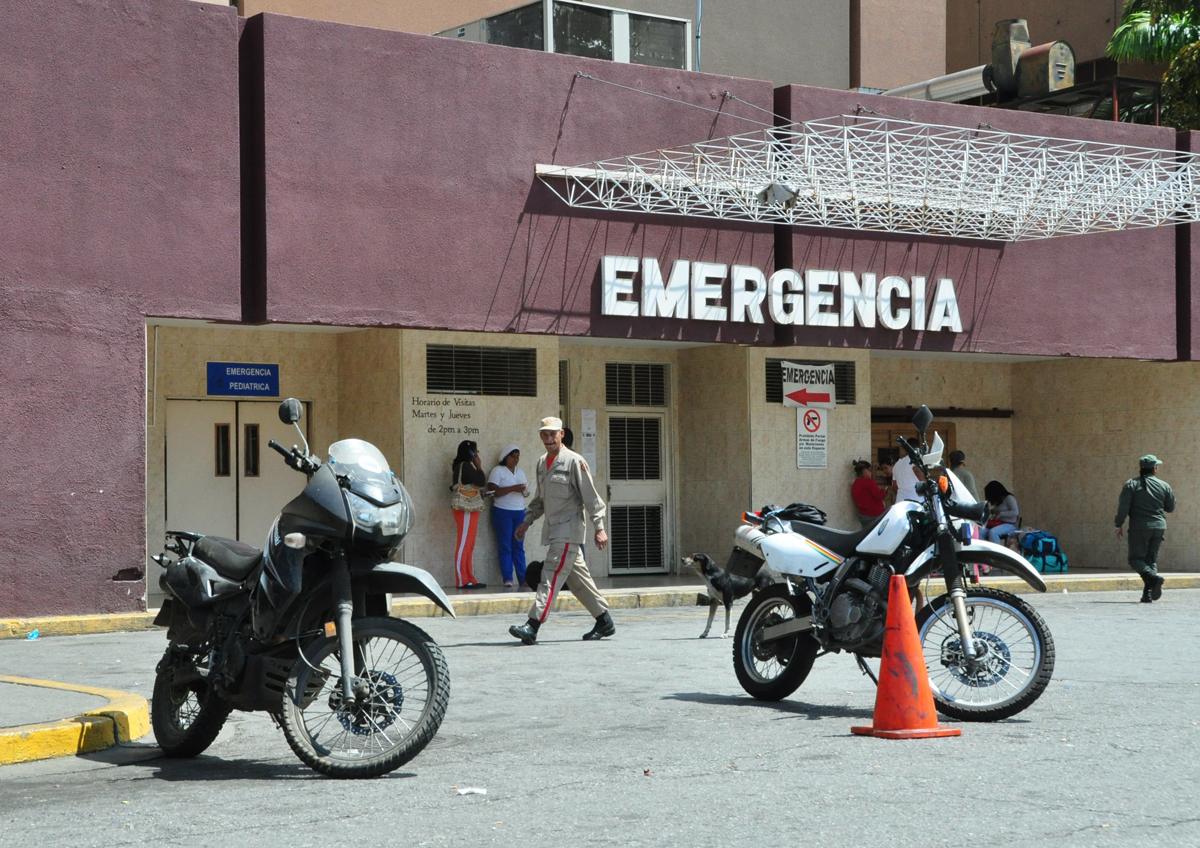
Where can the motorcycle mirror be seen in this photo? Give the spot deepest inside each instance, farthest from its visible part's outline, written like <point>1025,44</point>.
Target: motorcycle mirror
<point>922,420</point>
<point>290,411</point>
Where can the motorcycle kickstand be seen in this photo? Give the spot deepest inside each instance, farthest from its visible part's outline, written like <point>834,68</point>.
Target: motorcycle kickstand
<point>862,664</point>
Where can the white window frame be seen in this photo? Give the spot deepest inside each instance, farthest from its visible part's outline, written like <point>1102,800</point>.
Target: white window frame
<point>620,29</point>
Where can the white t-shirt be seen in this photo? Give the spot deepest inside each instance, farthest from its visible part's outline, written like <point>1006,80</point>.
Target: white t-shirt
<point>906,481</point>
<point>503,478</point>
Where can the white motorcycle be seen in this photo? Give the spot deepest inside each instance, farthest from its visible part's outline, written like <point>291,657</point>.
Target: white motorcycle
<point>989,654</point>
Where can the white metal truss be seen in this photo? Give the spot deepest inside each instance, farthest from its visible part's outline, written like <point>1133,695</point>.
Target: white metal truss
<point>887,175</point>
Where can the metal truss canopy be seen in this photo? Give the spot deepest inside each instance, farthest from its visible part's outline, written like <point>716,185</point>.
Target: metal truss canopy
<point>886,175</point>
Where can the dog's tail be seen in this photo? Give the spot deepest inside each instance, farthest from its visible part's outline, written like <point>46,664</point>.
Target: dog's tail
<point>763,579</point>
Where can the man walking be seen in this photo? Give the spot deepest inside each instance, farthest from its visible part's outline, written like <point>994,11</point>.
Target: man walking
<point>564,488</point>
<point>1144,499</point>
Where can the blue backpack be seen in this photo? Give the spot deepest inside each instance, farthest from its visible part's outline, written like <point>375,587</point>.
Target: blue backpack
<point>1043,552</point>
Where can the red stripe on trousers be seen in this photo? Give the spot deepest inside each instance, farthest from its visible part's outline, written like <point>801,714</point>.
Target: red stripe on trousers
<point>554,583</point>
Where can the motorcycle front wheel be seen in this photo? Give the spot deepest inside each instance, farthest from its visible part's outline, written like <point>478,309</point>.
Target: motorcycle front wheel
<point>1016,665</point>
<point>404,690</point>
<point>186,716</point>
<point>772,670</point>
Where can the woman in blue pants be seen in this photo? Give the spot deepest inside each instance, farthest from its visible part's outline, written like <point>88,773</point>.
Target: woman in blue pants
<point>508,487</point>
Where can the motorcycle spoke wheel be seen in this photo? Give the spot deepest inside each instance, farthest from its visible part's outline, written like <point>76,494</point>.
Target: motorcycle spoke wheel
<point>770,671</point>
<point>404,690</point>
<point>1014,670</point>
<point>186,717</point>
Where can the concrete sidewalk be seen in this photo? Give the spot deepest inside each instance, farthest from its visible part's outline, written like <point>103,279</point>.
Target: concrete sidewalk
<point>100,718</point>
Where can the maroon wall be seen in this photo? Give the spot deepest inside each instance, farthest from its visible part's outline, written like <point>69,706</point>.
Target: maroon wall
<point>400,184</point>
<point>1187,270</point>
<point>1110,294</point>
<point>118,199</point>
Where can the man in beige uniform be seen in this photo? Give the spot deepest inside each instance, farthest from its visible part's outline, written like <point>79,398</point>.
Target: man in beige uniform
<point>564,489</point>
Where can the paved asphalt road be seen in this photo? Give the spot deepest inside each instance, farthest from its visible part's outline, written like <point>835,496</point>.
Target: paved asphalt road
<point>647,739</point>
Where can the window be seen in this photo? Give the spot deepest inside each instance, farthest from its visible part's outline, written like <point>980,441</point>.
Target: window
<point>462,370</point>
<point>637,538</point>
<point>223,452</point>
<point>634,449</point>
<point>564,375</point>
<point>521,27</point>
<point>657,41</point>
<point>586,29</point>
<point>843,378</point>
<point>583,31</point>
<point>251,463</point>
<point>635,384</point>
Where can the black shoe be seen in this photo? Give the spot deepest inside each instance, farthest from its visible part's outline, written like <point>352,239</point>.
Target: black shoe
<point>1156,586</point>
<point>526,632</point>
<point>604,627</point>
<point>1146,596</point>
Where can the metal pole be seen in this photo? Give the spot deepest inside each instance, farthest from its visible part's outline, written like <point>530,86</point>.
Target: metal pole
<point>699,18</point>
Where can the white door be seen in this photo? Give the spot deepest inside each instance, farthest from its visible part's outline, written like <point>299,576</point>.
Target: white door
<point>637,479</point>
<point>201,467</point>
<point>265,483</point>
<point>222,479</point>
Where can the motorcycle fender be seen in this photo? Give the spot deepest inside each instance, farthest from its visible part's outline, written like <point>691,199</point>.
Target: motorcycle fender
<point>398,578</point>
<point>984,553</point>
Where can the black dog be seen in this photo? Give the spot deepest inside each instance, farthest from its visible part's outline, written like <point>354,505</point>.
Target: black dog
<point>723,587</point>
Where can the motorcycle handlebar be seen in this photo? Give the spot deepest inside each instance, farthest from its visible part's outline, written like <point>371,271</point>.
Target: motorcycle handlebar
<point>972,512</point>
<point>274,445</point>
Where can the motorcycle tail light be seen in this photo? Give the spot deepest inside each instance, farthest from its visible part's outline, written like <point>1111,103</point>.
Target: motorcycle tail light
<point>295,540</point>
<point>750,517</point>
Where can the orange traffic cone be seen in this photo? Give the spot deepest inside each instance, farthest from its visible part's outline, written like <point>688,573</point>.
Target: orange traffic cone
<point>903,703</point>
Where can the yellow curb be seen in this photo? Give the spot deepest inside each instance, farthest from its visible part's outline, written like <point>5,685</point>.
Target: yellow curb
<point>124,718</point>
<point>75,625</point>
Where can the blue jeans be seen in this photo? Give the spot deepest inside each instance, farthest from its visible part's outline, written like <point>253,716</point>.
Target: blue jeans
<point>994,533</point>
<point>510,548</point>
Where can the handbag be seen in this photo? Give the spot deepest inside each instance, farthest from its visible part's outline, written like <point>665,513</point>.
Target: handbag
<point>467,499</point>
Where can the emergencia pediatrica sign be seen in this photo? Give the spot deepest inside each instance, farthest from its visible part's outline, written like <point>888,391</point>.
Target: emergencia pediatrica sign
<point>243,379</point>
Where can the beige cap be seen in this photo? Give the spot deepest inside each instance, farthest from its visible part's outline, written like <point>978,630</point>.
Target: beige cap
<point>551,423</point>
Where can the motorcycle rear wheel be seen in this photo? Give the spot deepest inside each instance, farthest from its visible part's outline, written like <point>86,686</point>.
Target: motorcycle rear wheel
<point>1014,672</point>
<point>186,717</point>
<point>772,671</point>
<point>408,689</point>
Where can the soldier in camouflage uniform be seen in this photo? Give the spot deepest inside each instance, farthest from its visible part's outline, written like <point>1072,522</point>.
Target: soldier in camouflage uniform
<point>1144,499</point>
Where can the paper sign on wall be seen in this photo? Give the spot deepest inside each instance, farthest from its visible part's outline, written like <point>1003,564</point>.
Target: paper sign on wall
<point>809,386</point>
<point>587,437</point>
<point>812,440</point>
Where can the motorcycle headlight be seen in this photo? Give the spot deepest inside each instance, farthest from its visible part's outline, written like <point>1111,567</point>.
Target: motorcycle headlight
<point>365,513</point>
<point>393,519</point>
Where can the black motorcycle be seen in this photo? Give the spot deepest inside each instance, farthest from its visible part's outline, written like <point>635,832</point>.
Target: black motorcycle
<point>301,630</point>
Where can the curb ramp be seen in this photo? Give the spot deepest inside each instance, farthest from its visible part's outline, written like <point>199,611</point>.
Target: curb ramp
<point>124,718</point>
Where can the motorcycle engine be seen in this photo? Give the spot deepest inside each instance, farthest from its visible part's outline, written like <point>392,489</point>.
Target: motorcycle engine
<point>859,609</point>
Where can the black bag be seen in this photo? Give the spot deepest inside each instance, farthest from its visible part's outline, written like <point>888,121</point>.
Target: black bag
<point>801,512</point>
<point>533,574</point>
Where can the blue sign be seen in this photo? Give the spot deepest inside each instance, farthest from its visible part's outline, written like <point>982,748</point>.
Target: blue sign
<point>247,379</point>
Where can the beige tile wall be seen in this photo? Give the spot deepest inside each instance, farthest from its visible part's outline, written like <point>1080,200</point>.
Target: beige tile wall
<point>776,479</point>
<point>713,479</point>
<point>492,422</point>
<point>912,381</point>
<point>1080,426</point>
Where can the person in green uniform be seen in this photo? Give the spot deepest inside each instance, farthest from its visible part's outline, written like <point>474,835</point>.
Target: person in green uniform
<point>1143,500</point>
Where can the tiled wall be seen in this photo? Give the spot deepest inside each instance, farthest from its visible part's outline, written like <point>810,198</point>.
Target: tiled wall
<point>939,383</point>
<point>492,422</point>
<point>1079,428</point>
<point>714,448</point>
<point>773,439</point>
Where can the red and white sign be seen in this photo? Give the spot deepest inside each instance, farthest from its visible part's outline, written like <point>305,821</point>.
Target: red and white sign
<point>809,386</point>
<point>812,438</point>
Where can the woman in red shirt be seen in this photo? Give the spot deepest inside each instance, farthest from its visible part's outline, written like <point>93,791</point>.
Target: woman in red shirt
<point>868,495</point>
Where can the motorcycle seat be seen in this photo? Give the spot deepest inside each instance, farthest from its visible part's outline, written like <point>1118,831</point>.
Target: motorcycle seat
<point>841,542</point>
<point>229,557</point>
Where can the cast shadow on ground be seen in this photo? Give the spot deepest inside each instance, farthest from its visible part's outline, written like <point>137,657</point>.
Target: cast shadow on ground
<point>798,708</point>
<point>202,768</point>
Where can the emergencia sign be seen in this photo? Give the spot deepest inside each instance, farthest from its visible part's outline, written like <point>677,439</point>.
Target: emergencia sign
<point>243,379</point>
<point>809,386</point>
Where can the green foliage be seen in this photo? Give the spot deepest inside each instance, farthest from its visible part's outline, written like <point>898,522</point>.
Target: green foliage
<point>1157,31</point>
<point>1181,90</point>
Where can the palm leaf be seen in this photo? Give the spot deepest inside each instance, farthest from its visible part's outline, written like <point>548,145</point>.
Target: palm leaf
<point>1142,38</point>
